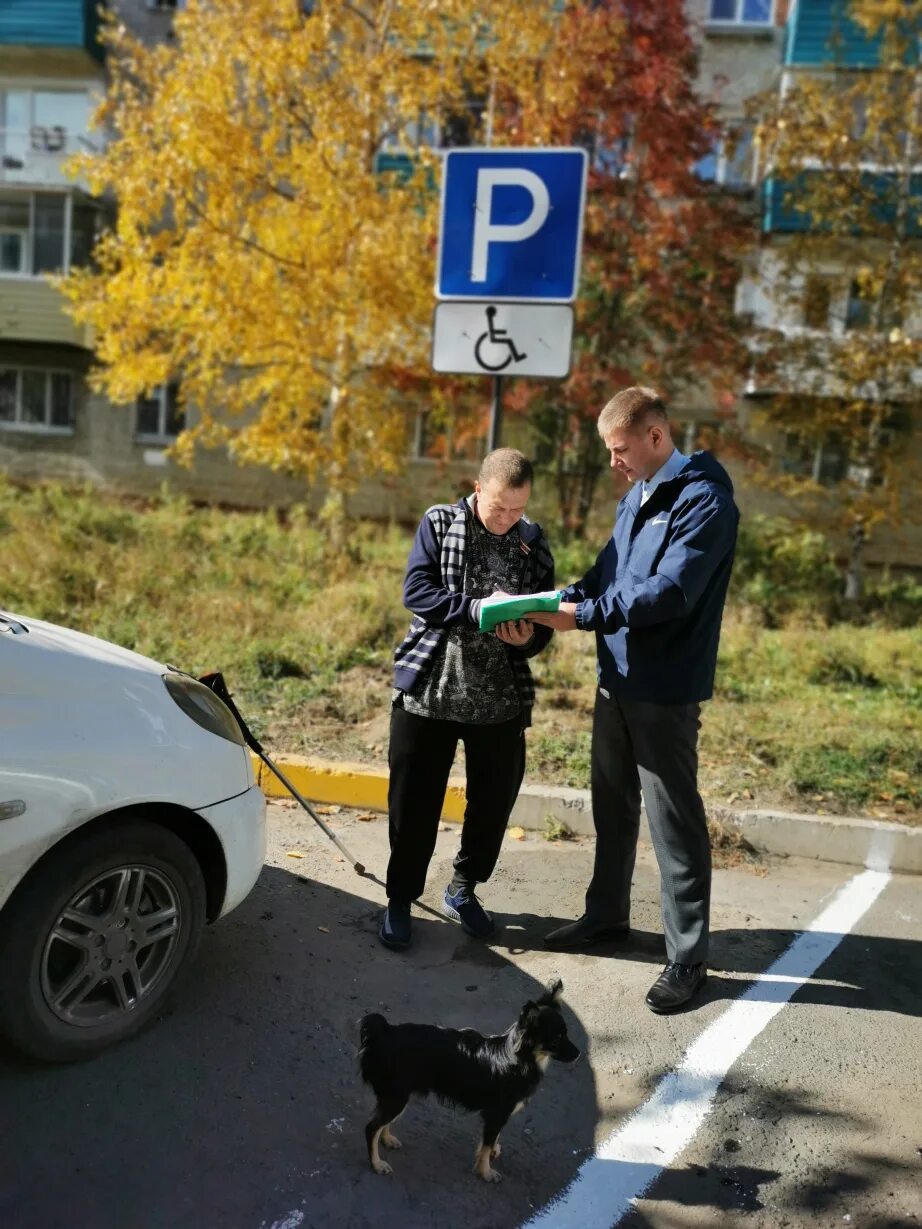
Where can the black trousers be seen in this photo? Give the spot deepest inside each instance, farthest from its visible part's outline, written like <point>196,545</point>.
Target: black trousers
<point>638,746</point>
<point>421,753</point>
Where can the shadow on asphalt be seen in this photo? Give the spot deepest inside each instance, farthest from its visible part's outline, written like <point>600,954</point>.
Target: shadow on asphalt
<point>244,1101</point>
<point>864,971</point>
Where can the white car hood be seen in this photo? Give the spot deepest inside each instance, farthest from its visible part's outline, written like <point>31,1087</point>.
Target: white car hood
<point>40,638</point>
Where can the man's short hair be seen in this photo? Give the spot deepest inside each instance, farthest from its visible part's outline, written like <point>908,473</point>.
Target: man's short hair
<point>508,467</point>
<point>629,409</point>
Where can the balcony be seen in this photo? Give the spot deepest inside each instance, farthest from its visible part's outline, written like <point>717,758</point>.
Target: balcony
<point>31,309</point>
<point>67,27</point>
<point>820,33</point>
<point>786,210</point>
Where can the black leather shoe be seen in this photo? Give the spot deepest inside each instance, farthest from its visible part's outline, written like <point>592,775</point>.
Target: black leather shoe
<point>676,985</point>
<point>584,932</point>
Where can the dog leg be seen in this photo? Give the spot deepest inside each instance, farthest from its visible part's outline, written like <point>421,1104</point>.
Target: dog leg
<point>388,1139</point>
<point>489,1147</point>
<point>496,1151</point>
<point>482,1165</point>
<point>376,1131</point>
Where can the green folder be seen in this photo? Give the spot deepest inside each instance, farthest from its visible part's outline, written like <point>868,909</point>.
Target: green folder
<point>495,610</point>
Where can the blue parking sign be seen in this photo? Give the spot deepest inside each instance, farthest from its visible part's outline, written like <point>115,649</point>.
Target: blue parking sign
<point>512,223</point>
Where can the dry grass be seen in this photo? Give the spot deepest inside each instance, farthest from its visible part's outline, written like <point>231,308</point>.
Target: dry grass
<point>805,716</point>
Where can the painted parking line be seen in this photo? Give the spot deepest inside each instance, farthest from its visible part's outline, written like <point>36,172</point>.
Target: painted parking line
<point>627,1164</point>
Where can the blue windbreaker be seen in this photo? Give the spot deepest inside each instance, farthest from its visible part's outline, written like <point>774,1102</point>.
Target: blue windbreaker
<point>655,596</point>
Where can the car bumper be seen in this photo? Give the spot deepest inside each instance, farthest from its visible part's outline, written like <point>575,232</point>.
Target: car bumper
<point>241,827</point>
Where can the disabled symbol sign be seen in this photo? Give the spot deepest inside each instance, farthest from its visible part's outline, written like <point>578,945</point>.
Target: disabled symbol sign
<point>514,339</point>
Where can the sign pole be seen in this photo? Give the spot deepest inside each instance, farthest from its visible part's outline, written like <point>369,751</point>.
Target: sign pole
<point>496,414</point>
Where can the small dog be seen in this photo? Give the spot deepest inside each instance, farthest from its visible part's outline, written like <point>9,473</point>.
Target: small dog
<point>493,1075</point>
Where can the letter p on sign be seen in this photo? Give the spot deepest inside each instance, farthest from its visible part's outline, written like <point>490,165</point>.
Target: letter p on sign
<point>511,224</point>
<point>486,231</point>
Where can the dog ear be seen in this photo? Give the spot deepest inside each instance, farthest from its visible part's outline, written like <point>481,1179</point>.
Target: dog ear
<point>527,1016</point>
<point>528,1012</point>
<point>552,995</point>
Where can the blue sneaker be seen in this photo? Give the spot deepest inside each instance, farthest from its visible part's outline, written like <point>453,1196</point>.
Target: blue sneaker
<point>464,907</point>
<point>394,931</point>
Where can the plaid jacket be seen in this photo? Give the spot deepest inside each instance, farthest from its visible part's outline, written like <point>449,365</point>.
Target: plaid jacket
<point>434,591</point>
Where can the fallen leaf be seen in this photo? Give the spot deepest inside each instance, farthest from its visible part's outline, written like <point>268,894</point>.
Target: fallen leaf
<point>328,810</point>
<point>517,834</point>
<point>366,816</point>
<point>294,854</point>
<point>324,929</point>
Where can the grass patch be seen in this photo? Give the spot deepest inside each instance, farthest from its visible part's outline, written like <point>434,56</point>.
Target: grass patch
<point>806,716</point>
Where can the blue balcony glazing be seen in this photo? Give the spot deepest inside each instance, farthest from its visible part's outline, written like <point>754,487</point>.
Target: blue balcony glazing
<point>821,32</point>
<point>785,204</point>
<point>65,25</point>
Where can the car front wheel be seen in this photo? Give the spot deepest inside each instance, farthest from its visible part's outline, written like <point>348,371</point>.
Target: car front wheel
<point>92,941</point>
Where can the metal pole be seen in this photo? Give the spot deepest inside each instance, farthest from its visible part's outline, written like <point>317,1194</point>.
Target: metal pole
<point>496,414</point>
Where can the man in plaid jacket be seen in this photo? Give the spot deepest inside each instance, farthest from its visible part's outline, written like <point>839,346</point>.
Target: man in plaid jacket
<point>453,682</point>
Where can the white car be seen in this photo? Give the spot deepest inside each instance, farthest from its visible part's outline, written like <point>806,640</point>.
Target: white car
<point>129,817</point>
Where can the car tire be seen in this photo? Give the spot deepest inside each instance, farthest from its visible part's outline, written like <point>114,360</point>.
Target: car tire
<point>122,903</point>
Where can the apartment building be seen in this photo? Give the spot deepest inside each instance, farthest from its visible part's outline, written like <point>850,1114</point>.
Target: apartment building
<point>52,69</point>
<point>52,425</point>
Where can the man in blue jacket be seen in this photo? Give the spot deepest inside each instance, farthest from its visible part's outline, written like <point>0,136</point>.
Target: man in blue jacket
<point>654,599</point>
<point>455,683</point>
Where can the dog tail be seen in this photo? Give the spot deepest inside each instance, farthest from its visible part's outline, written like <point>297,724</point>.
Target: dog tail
<point>371,1027</point>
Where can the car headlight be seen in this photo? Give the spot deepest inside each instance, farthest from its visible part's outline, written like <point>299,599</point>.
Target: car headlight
<point>203,706</point>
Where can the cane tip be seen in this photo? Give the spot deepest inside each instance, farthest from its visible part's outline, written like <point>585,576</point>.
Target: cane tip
<point>358,868</point>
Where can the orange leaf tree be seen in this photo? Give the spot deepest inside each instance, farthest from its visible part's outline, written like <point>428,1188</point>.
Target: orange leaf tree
<point>661,248</point>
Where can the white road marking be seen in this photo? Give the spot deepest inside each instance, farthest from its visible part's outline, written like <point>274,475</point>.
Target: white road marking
<point>291,1221</point>
<point>627,1164</point>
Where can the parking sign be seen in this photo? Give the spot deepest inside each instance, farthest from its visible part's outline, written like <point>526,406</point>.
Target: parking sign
<point>512,222</point>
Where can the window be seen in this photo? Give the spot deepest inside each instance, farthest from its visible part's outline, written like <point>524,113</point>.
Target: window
<point>858,309</point>
<point>48,232</point>
<point>36,400</point>
<point>12,250</point>
<point>39,128</point>
<point>826,462</point>
<point>455,129</point>
<point>159,415</point>
<point>461,128</point>
<point>817,301</point>
<point>45,232</point>
<point>730,162</point>
<point>741,12</point>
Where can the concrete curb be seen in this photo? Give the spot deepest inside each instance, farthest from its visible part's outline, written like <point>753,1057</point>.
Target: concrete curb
<point>871,843</point>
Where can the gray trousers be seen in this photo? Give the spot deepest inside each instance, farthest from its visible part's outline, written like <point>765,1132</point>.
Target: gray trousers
<point>654,748</point>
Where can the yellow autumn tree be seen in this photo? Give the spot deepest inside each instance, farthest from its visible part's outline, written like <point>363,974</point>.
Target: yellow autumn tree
<point>840,150</point>
<point>269,253</point>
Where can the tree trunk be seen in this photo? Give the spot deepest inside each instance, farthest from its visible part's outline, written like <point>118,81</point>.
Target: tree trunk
<point>854,574</point>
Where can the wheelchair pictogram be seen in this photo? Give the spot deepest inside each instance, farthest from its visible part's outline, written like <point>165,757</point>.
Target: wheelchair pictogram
<point>495,342</point>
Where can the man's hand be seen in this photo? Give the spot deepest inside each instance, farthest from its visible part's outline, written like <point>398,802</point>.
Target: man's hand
<point>515,632</point>
<point>562,620</point>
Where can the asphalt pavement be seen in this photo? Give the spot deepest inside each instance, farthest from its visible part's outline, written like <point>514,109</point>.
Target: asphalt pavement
<point>789,1097</point>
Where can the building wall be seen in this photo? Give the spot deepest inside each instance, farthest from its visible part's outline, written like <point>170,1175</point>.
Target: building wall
<point>738,63</point>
